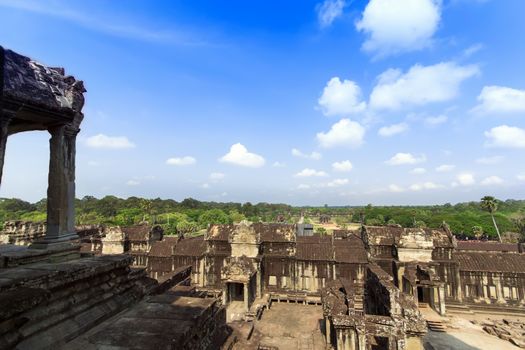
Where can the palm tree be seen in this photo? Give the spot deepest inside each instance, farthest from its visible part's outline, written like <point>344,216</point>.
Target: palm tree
<point>490,204</point>
<point>146,205</point>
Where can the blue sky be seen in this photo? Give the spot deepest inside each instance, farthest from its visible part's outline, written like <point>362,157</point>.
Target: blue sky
<point>303,102</point>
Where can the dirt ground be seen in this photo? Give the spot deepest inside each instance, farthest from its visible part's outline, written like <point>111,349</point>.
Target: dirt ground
<point>291,327</point>
<point>462,334</point>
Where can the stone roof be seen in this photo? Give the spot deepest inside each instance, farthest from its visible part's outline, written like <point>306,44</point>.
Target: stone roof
<point>487,246</point>
<point>314,250</point>
<point>350,250</point>
<point>173,245</point>
<point>382,235</point>
<point>219,232</point>
<point>394,235</point>
<point>163,248</point>
<point>490,262</point>
<point>194,246</point>
<point>276,232</point>
<point>30,83</point>
<point>345,233</point>
<point>142,232</point>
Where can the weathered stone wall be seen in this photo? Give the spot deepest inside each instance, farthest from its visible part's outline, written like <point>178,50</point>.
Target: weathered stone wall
<point>22,232</point>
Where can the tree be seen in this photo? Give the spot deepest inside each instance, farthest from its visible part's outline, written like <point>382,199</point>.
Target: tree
<point>236,217</point>
<point>213,216</point>
<point>519,223</point>
<point>490,204</point>
<point>477,231</point>
<point>146,205</point>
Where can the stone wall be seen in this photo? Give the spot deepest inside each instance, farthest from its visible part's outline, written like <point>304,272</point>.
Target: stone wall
<point>22,232</point>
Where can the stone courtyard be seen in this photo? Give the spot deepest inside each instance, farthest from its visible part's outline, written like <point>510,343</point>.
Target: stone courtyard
<point>288,326</point>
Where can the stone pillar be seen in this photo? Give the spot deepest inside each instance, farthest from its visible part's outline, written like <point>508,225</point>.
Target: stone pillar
<point>340,340</point>
<point>61,188</point>
<point>327,330</point>
<point>5,119</point>
<point>459,291</point>
<point>259,283</point>
<point>246,297</point>
<point>352,339</point>
<point>499,290</point>
<point>225,294</point>
<point>441,296</point>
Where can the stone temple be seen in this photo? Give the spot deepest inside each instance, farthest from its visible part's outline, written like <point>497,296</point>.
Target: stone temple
<point>242,286</point>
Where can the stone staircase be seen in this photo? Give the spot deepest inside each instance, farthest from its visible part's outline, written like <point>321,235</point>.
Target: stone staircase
<point>436,326</point>
<point>45,305</point>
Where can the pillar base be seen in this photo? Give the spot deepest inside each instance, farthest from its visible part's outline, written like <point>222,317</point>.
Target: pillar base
<point>61,242</point>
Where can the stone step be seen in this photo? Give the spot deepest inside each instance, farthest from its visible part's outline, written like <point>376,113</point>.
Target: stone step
<point>436,326</point>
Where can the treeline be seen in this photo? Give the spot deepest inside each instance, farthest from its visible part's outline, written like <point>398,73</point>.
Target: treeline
<point>191,215</point>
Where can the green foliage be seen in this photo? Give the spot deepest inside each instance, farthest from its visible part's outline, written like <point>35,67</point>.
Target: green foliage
<point>320,231</point>
<point>190,215</point>
<point>236,217</point>
<point>213,216</point>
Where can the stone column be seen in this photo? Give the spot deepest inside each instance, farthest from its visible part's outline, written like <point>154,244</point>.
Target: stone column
<point>5,119</point>
<point>459,291</point>
<point>441,296</point>
<point>327,330</point>
<point>61,188</point>
<point>259,283</point>
<point>246,297</point>
<point>225,293</point>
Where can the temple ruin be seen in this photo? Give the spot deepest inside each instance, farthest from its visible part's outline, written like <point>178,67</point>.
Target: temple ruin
<point>237,286</point>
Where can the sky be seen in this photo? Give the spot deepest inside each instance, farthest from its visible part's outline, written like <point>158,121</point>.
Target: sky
<point>301,102</point>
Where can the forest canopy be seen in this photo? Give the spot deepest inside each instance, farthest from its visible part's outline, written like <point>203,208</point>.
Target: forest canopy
<point>190,215</point>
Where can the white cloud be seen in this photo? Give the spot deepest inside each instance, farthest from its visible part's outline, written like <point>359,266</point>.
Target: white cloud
<point>469,51</point>
<point>133,183</point>
<point>395,188</point>
<point>341,98</point>
<point>445,168</point>
<point>337,183</point>
<point>490,160</point>
<point>492,180</point>
<point>433,121</point>
<point>506,137</point>
<point>393,129</point>
<point>303,187</point>
<point>342,166</point>
<point>307,172</point>
<point>278,165</point>
<point>239,155</point>
<point>205,185</point>
<point>181,161</point>
<point>405,158</point>
<point>93,163</point>
<point>424,186</point>
<point>420,85</point>
<point>216,176</point>
<point>313,155</point>
<point>343,133</point>
<point>521,177</point>
<point>399,26</point>
<point>466,179</point>
<point>418,171</point>
<point>109,142</point>
<point>500,99</point>
<point>328,11</point>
